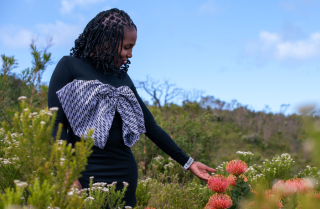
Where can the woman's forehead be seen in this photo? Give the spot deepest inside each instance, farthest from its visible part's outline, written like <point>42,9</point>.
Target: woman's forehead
<point>130,35</point>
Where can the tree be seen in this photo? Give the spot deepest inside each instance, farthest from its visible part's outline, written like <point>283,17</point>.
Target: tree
<point>156,91</point>
<point>40,62</point>
<point>8,64</point>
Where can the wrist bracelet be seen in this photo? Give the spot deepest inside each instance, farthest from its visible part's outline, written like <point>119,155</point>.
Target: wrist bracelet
<point>188,163</point>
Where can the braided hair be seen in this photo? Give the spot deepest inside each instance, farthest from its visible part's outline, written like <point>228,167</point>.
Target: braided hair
<point>100,41</point>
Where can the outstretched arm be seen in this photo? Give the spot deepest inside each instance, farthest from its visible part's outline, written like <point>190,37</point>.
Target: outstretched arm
<point>165,143</point>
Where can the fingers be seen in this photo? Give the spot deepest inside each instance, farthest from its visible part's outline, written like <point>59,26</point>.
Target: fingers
<point>211,170</point>
<point>205,177</point>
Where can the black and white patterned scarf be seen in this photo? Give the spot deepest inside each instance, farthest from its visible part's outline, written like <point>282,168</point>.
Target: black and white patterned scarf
<point>92,104</point>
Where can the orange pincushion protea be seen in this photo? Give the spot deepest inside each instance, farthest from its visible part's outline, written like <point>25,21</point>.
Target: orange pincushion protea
<point>219,201</point>
<point>236,167</point>
<point>218,183</point>
<point>292,186</point>
<point>232,179</point>
<point>149,208</point>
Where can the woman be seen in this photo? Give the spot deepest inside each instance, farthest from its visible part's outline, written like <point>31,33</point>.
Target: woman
<point>93,90</point>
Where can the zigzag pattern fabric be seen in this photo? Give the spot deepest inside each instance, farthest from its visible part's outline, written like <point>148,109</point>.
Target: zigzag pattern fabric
<point>91,104</point>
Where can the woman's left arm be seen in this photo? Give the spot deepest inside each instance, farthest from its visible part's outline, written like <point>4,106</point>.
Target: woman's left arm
<point>165,143</point>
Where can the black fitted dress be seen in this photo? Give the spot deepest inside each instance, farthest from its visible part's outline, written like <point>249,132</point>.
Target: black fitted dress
<point>114,161</point>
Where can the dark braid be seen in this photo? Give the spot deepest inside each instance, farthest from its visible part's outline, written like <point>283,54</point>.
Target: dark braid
<point>101,38</point>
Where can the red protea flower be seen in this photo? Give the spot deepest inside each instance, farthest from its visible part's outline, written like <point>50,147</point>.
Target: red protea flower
<point>149,208</point>
<point>232,179</point>
<point>218,183</point>
<point>219,201</point>
<point>303,185</point>
<point>285,189</point>
<point>236,167</point>
<point>292,186</point>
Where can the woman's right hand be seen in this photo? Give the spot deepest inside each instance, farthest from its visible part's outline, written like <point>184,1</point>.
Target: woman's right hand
<point>76,184</point>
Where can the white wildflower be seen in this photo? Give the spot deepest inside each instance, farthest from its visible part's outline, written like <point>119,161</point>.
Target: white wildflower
<point>26,109</point>
<point>22,184</point>
<point>22,98</point>
<point>105,189</point>
<point>42,122</point>
<point>54,109</point>
<point>89,198</point>
<point>170,165</point>
<point>91,177</point>
<point>127,207</point>
<point>5,161</point>
<point>125,184</point>
<point>60,142</point>
<point>96,184</point>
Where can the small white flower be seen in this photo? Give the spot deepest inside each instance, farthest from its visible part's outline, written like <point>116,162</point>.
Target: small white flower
<point>22,98</point>
<point>5,161</point>
<point>22,184</point>
<point>91,177</point>
<point>105,189</point>
<point>42,122</point>
<point>127,207</point>
<point>35,113</point>
<point>60,142</point>
<point>89,198</point>
<point>125,184</point>
<point>62,159</point>
<point>54,109</point>
<point>49,113</point>
<point>26,109</point>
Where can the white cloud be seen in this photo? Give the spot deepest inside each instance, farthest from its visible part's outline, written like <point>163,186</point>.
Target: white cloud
<point>276,47</point>
<point>208,7</point>
<point>300,49</point>
<point>68,5</point>
<point>16,37</point>
<point>61,34</point>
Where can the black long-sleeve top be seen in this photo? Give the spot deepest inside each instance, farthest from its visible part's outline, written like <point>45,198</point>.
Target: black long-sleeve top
<point>70,68</point>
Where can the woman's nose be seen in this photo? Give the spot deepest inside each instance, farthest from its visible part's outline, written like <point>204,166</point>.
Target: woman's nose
<point>129,55</point>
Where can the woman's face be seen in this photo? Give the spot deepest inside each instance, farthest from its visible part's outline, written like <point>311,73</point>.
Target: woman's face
<point>129,40</point>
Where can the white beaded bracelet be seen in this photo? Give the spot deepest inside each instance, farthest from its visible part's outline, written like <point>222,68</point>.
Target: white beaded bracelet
<point>188,163</point>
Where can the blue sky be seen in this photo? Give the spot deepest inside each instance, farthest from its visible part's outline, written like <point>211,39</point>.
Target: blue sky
<point>264,52</point>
